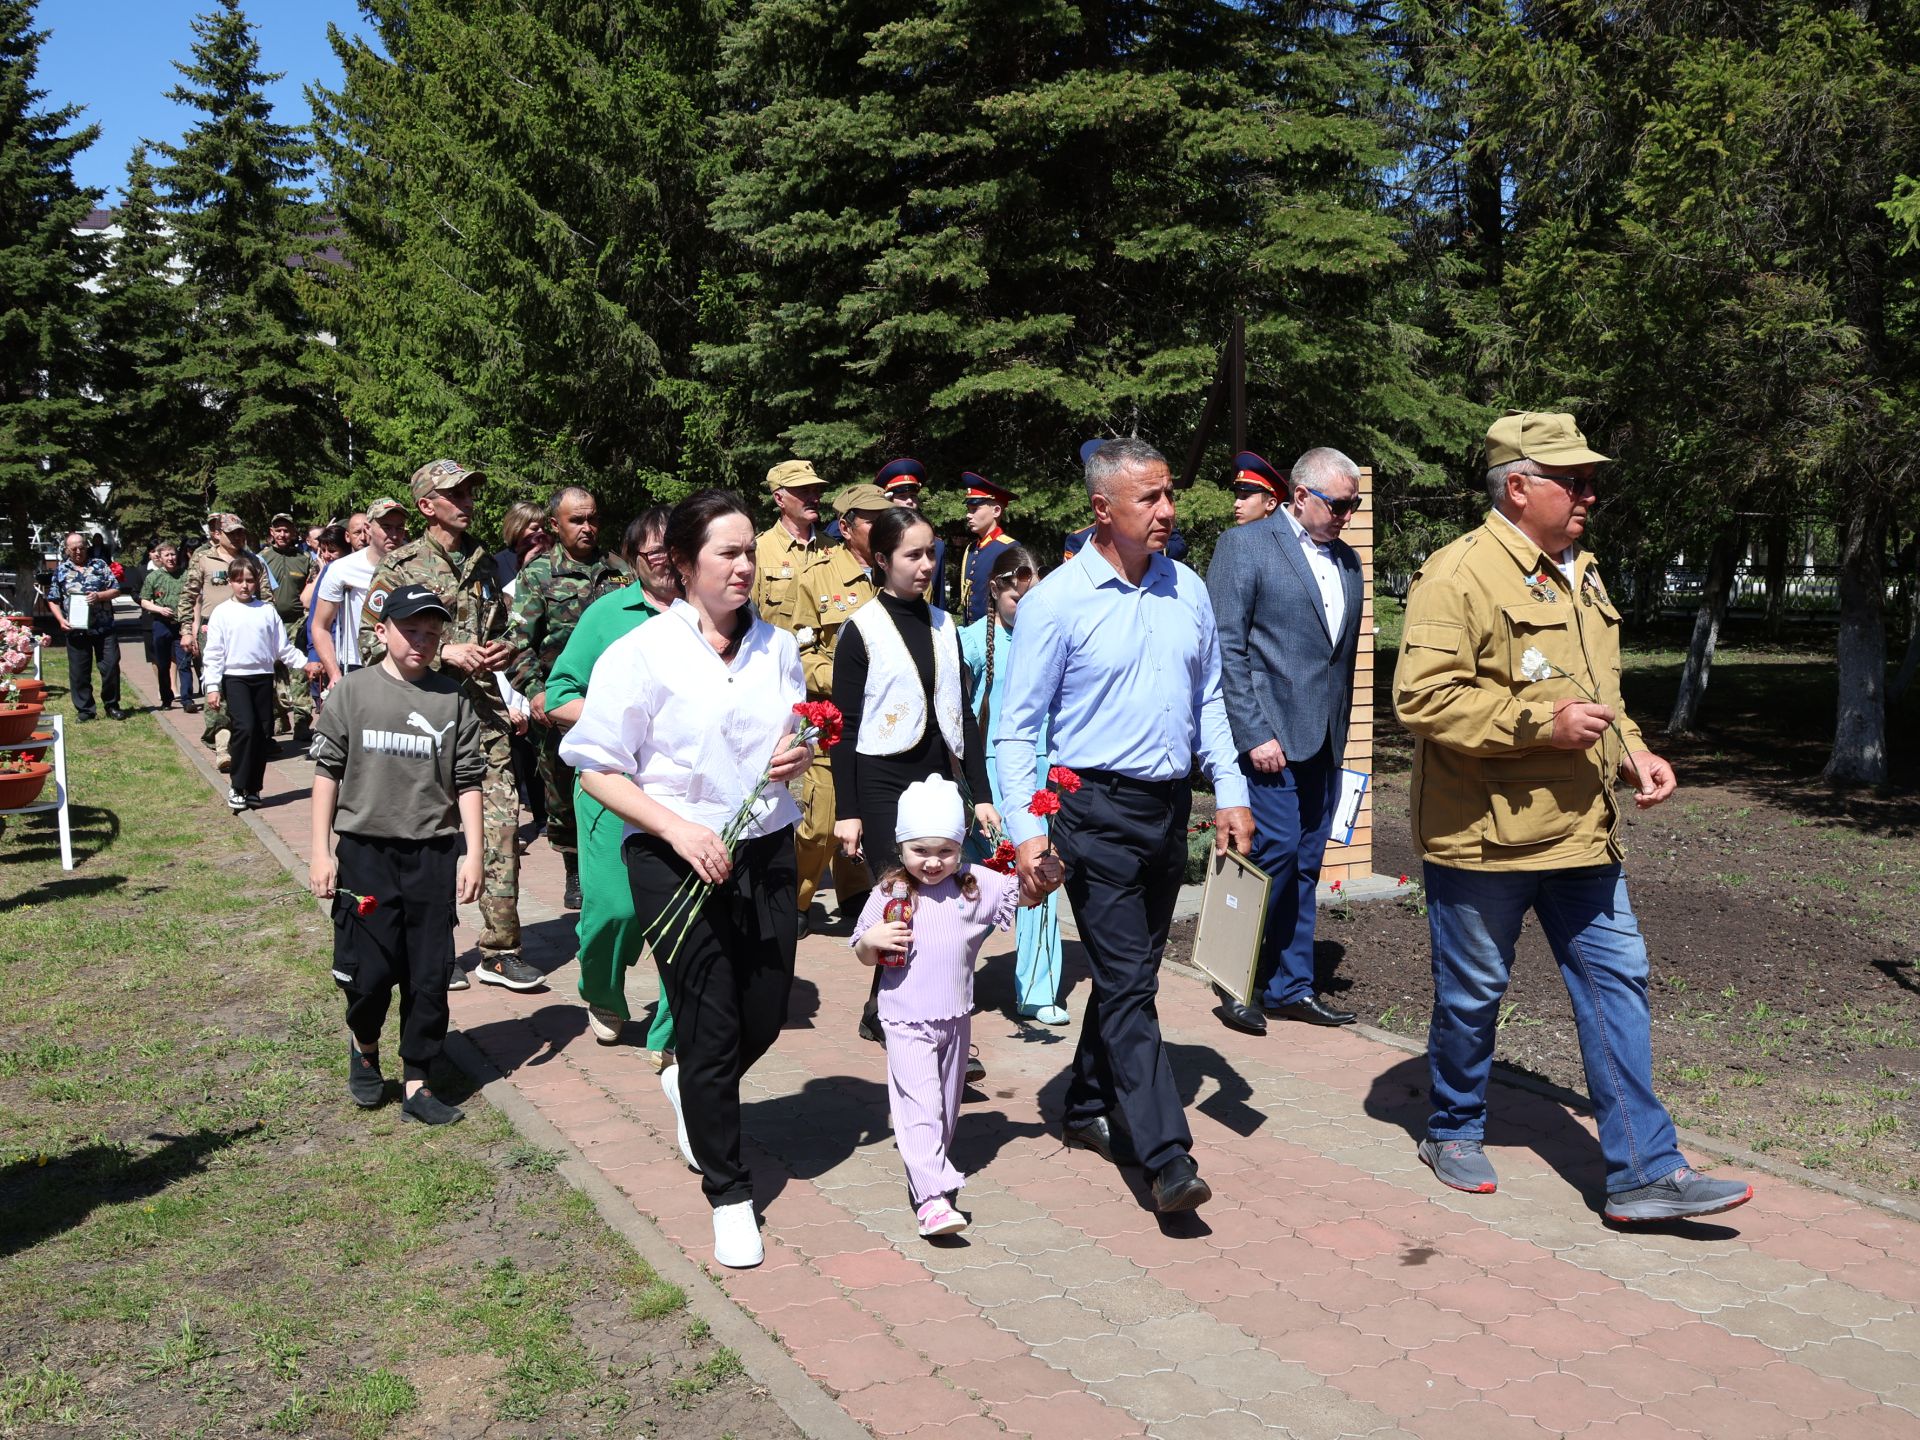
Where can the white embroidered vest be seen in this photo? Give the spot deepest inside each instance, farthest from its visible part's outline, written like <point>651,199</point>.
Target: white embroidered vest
<point>895,713</point>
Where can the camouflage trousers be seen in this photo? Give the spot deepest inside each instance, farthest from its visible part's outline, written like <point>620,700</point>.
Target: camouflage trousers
<point>499,823</point>
<point>813,842</point>
<point>292,694</point>
<point>557,777</point>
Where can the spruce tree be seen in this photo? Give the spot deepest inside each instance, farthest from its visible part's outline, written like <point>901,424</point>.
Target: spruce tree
<point>267,429</point>
<point>45,263</point>
<point>980,234</point>
<point>518,185</point>
<point>142,336</point>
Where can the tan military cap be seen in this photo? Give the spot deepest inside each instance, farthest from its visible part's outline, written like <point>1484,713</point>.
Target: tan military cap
<point>1537,435</point>
<point>792,474</point>
<point>864,496</point>
<point>442,475</point>
<point>229,523</point>
<point>384,507</point>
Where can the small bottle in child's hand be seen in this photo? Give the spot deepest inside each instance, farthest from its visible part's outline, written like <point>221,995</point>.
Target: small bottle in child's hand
<point>899,907</point>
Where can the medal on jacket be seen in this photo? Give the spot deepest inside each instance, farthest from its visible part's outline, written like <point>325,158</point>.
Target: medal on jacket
<point>1590,586</point>
<point>1539,589</point>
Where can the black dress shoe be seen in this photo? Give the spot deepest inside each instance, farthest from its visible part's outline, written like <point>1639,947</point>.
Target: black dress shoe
<point>189,707</point>
<point>1098,1135</point>
<point>1178,1186</point>
<point>114,712</point>
<point>1313,1011</point>
<point>1241,1017</point>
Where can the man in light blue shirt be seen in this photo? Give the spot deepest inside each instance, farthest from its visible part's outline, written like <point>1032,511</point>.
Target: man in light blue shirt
<point>1117,654</point>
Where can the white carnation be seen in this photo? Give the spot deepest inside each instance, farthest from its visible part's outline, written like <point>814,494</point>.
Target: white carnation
<point>803,636</point>
<point>1534,666</point>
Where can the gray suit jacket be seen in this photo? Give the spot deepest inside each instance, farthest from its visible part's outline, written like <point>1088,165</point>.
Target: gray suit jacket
<point>1285,677</point>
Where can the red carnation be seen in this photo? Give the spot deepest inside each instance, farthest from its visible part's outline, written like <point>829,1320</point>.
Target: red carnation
<point>1044,802</point>
<point>1063,777</point>
<point>823,717</point>
<point>362,904</point>
<point>1003,858</point>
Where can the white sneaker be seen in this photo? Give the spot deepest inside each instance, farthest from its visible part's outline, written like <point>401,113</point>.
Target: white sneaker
<point>670,1082</point>
<point>236,802</point>
<point>604,1024</point>
<point>736,1236</point>
<point>938,1217</point>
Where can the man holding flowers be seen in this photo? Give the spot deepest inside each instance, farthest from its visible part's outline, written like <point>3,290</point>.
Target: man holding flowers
<point>1509,679</point>
<point>1117,654</point>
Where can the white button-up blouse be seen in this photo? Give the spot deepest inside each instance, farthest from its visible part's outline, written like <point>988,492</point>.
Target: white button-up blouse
<point>693,731</point>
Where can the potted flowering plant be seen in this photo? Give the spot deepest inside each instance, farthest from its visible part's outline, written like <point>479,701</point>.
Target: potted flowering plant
<point>17,644</point>
<point>21,780</point>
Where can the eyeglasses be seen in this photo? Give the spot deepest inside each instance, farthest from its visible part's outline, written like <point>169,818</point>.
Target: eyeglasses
<point>1338,507</point>
<point>1574,485</point>
<point>655,556</point>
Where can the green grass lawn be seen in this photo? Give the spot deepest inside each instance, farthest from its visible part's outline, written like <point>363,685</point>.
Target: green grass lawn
<point>199,1235</point>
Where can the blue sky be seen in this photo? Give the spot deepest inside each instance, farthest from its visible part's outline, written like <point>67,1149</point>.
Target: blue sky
<point>115,57</point>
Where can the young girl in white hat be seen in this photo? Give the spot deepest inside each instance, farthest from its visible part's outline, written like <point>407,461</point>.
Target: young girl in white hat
<point>926,1003</point>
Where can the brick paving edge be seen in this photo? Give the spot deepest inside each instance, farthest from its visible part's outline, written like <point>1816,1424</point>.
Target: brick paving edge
<point>810,1408</point>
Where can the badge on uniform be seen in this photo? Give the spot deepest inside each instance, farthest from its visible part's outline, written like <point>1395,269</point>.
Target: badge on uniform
<point>1590,587</point>
<point>1539,588</point>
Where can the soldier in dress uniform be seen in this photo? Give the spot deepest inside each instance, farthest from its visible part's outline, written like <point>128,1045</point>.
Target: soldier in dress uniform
<point>840,585</point>
<point>903,480</point>
<point>550,595</point>
<point>457,568</point>
<point>1257,488</point>
<point>793,545</point>
<point>986,503</point>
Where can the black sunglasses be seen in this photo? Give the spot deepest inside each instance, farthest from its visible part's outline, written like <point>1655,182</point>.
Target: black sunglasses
<point>1338,507</point>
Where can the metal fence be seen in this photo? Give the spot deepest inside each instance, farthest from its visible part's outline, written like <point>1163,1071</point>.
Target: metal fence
<point>1809,594</point>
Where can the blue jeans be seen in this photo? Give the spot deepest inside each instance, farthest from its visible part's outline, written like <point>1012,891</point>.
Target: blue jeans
<point>170,656</point>
<point>1475,917</point>
<point>1292,820</point>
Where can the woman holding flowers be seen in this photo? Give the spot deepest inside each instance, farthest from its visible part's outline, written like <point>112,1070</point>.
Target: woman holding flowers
<point>689,736</point>
<point>898,680</point>
<point>985,646</point>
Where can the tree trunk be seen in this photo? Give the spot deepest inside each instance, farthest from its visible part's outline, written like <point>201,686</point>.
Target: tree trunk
<point>24,562</point>
<point>1779,540</point>
<point>1860,726</point>
<point>1722,559</point>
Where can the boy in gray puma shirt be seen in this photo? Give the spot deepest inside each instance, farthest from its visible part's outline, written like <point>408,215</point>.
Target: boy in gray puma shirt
<point>398,771</point>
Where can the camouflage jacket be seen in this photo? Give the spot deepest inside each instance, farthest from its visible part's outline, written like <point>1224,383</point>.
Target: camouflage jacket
<point>549,597</point>
<point>468,583</point>
<point>204,584</point>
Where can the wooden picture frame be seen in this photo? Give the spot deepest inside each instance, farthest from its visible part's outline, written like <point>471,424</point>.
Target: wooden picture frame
<point>1232,924</point>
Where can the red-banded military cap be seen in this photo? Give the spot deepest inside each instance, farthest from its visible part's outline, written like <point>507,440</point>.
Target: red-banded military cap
<point>981,488</point>
<point>904,471</point>
<point>1250,469</point>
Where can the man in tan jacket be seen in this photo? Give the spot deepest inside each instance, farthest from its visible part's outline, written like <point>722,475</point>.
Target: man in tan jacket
<point>1509,679</point>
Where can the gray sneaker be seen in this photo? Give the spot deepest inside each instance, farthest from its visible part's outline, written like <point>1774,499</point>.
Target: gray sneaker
<point>1463,1164</point>
<point>1681,1195</point>
<point>509,970</point>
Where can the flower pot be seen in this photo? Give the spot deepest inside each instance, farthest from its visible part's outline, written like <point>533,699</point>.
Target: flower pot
<point>17,722</point>
<point>32,691</point>
<point>38,753</point>
<point>23,787</point>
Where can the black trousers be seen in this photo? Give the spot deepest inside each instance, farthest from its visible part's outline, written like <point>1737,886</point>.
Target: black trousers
<point>405,943</point>
<point>1124,844</point>
<point>727,986</point>
<point>249,704</point>
<point>83,648</point>
<point>526,777</point>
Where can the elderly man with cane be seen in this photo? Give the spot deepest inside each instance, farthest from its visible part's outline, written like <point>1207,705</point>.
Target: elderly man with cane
<point>1118,653</point>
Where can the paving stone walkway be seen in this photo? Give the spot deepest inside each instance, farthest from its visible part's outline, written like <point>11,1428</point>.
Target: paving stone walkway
<point>1332,1288</point>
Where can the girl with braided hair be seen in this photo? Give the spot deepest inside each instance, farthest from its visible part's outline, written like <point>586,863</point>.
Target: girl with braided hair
<point>984,646</point>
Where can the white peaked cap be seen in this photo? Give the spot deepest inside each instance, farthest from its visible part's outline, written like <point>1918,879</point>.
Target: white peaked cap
<point>930,809</point>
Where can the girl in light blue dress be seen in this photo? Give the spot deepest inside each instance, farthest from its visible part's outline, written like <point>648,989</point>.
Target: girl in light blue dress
<point>984,646</point>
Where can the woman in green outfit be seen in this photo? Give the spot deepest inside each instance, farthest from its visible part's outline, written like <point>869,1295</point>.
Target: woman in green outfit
<point>609,938</point>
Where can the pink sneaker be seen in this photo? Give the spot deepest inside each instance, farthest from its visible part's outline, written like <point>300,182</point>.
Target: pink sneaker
<point>938,1217</point>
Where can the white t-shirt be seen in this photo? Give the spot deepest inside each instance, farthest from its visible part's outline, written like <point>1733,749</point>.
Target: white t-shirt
<point>346,584</point>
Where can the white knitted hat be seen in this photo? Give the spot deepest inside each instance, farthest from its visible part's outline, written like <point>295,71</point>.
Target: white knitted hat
<point>930,809</point>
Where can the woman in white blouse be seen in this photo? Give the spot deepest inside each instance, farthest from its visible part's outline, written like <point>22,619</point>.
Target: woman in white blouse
<point>681,718</point>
